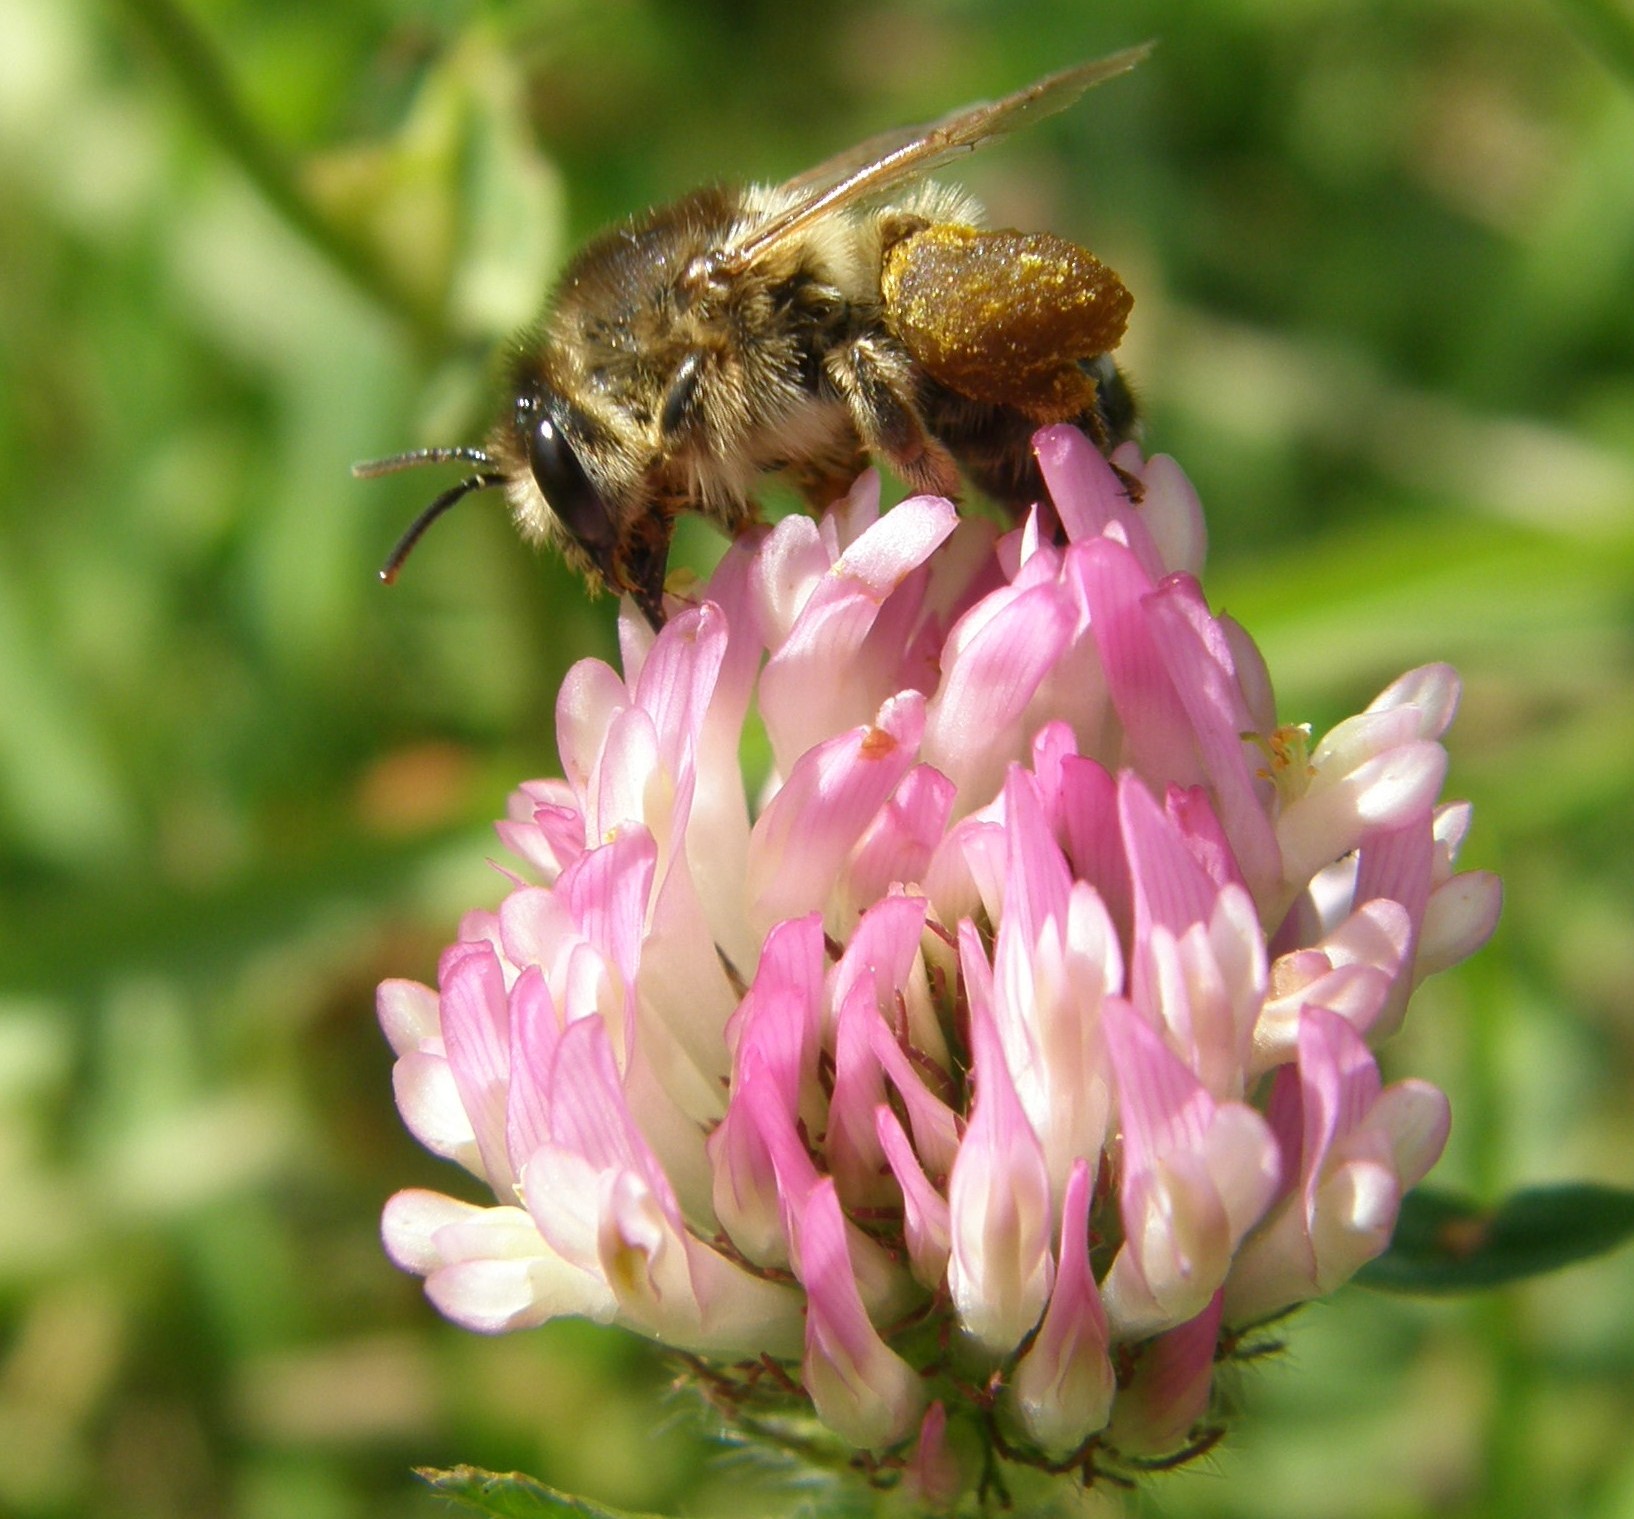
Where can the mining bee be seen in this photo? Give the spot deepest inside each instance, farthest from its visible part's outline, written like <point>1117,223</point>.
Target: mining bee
<point>856,310</point>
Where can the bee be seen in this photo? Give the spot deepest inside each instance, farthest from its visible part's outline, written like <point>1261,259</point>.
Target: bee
<point>857,310</point>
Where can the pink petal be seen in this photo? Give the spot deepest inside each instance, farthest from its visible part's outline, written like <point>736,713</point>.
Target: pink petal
<point>804,836</point>
<point>897,848</point>
<point>817,683</point>
<point>1088,497</point>
<point>544,827</point>
<point>678,680</point>
<point>1168,1397</point>
<point>1157,734</point>
<point>933,1474</point>
<point>476,1031</point>
<point>1198,656</point>
<point>996,659</point>
<point>535,1031</point>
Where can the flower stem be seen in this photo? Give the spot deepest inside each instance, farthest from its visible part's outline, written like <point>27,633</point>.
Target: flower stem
<point>201,74</point>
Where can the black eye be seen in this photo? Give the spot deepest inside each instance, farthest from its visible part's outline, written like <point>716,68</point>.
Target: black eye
<point>562,480</point>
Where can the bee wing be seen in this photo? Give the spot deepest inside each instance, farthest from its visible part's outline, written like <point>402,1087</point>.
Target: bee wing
<point>875,166</point>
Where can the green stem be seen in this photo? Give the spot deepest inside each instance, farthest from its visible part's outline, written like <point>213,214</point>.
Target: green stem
<point>201,74</point>
<point>1608,32</point>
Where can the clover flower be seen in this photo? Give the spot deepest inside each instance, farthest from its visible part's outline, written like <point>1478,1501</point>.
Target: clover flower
<point>978,1084</point>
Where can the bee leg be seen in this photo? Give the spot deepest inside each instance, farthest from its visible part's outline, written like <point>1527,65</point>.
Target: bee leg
<point>877,383</point>
<point>823,481</point>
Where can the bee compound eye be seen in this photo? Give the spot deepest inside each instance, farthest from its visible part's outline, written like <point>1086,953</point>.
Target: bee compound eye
<point>565,486</point>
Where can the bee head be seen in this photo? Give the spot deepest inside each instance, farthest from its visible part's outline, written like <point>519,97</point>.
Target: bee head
<point>553,439</point>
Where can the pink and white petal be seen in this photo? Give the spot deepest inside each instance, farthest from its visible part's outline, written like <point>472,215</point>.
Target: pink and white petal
<point>408,1014</point>
<point>590,1113</point>
<point>1431,691</point>
<point>535,1028</point>
<point>856,1160</point>
<point>926,1223</point>
<point>1342,809</point>
<point>608,891</point>
<point>630,785</point>
<point>746,1196</point>
<point>544,827</point>
<point>1243,1159</point>
<point>412,1220</point>
<point>860,1387</point>
<point>884,951</point>
<point>1092,834</point>
<point>850,515</point>
<point>536,927</point>
<point>672,1286</point>
<point>1196,1176</point>
<point>684,999</point>
<point>1001,1268</point>
<point>1176,1250</point>
<point>1253,675</point>
<point>1415,1119</point>
<point>1357,993</point>
<point>1198,656</point>
<point>1351,972</point>
<point>1398,865</point>
<point>429,1101</point>
<point>1036,876</point>
<point>877,560</point>
<point>486,1268</point>
<point>1064,1385</point>
<point>1170,509</point>
<point>1459,918</point>
<point>791,561</point>
<point>591,697</point>
<point>934,1125</point>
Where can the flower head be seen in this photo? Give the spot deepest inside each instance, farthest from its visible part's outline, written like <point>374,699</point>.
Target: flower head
<point>1010,1051</point>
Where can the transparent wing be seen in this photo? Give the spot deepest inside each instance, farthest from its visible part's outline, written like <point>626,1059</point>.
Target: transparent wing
<point>877,165</point>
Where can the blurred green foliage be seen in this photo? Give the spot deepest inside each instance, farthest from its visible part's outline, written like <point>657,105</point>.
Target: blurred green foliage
<point>1383,254</point>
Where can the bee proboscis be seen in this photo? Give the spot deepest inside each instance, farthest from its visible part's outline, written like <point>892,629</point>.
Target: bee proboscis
<point>856,310</point>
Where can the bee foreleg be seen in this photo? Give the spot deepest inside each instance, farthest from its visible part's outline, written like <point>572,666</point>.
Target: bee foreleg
<point>877,383</point>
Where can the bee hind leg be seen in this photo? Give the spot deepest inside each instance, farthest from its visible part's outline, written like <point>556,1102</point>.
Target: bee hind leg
<point>877,382</point>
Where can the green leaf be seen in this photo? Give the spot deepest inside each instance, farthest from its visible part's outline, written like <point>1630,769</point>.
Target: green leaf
<point>510,1495</point>
<point>1446,1243</point>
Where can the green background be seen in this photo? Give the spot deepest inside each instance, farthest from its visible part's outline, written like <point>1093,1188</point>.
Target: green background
<point>1383,260</point>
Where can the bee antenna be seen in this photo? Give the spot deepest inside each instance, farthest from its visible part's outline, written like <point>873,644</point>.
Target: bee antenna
<point>416,529</point>
<point>370,468</point>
